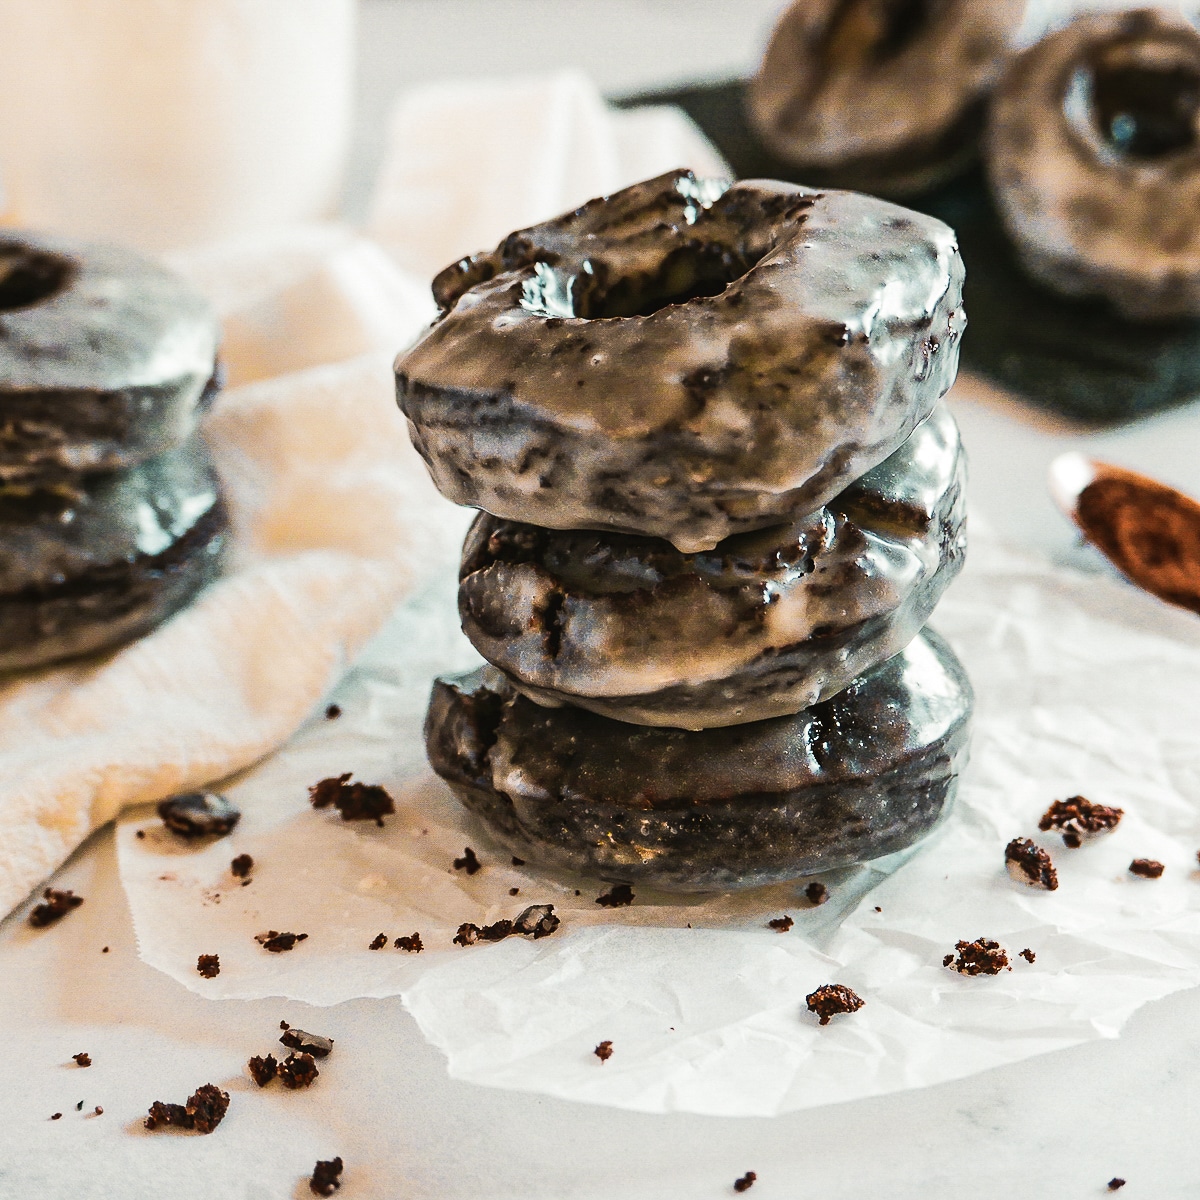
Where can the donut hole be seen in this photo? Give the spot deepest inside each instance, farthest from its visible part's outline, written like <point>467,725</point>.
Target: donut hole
<point>29,276</point>
<point>877,30</point>
<point>1139,109</point>
<point>689,272</point>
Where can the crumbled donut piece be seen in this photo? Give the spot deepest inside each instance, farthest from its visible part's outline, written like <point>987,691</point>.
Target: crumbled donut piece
<point>56,904</point>
<point>208,965</point>
<point>980,957</point>
<point>355,801</point>
<point>603,1051</point>
<point>1078,818</point>
<point>326,1177</point>
<point>831,999</point>
<point>1028,863</point>
<point>1147,868</point>
<point>781,924</point>
<point>204,1111</point>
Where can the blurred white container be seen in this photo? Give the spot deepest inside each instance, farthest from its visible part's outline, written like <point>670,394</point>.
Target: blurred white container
<point>167,123</point>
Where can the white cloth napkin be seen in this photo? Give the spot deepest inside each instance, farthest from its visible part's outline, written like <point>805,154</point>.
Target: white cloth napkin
<point>334,517</point>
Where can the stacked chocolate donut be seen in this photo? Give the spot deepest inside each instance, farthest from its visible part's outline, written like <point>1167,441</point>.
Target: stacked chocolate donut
<point>110,514</point>
<point>719,504</point>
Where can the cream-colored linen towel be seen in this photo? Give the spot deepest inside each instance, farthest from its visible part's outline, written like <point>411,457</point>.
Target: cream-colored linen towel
<point>335,520</point>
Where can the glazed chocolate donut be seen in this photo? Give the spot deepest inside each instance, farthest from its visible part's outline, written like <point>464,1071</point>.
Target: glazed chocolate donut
<point>882,95</point>
<point>104,358</point>
<point>859,776</point>
<point>1094,157</point>
<point>685,361</point>
<point>87,566</point>
<point>766,624</point>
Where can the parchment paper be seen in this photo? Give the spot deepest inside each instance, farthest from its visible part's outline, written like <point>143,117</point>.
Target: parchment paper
<point>1085,686</point>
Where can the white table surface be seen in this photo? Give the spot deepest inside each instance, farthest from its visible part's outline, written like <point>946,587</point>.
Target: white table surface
<point>1058,1126</point>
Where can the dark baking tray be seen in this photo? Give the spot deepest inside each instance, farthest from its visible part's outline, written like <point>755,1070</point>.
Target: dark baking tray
<point>1079,359</point>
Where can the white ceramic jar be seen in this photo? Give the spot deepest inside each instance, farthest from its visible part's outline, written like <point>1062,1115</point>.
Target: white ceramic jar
<point>166,123</point>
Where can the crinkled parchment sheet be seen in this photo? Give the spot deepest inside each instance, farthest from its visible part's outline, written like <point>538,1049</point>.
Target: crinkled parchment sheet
<point>1084,686</point>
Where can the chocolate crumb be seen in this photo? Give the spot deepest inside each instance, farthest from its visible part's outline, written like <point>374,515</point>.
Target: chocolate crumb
<point>468,862</point>
<point>980,957</point>
<point>1028,863</point>
<point>781,924</point>
<point>82,1060</point>
<point>355,801</point>
<point>536,921</point>
<point>278,942</point>
<point>1147,868</point>
<point>467,935</point>
<point>284,1025</point>
<point>333,712</point>
<point>378,942</point>
<point>831,999</point>
<point>514,891</point>
<point>1028,955</point>
<point>204,1111</point>
<point>97,1111</point>
<point>578,892</point>
<point>56,1116</point>
<point>817,894</point>
<point>240,867</point>
<point>326,1177</point>
<point>745,1183</point>
<point>199,814</point>
<point>618,897</point>
<point>412,943</point>
<point>209,965</point>
<point>518,862</point>
<point>79,1106</point>
<point>141,833</point>
<point>603,1051</point>
<point>1115,1184</point>
<point>313,1043</point>
<point>57,905</point>
<point>298,1071</point>
<point>878,909</point>
<point>1077,818</point>
<point>104,950</point>
<point>263,1070</point>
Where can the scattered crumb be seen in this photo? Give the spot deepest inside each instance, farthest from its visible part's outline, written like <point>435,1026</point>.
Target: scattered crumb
<point>1147,868</point>
<point>412,943</point>
<point>378,942</point>
<point>1115,1184</point>
<point>536,921</point>
<point>333,712</point>
<point>82,1060</point>
<point>312,1043</point>
<point>745,1183</point>
<point>355,801</point>
<point>141,833</point>
<point>514,891</point>
<point>263,1070</point>
<point>326,1177</point>
<point>97,1111</point>
<point>199,814</point>
<point>79,1106</point>
<point>298,1071</point>
<point>1077,818</point>
<point>209,965</point>
<point>284,1025</point>
<point>56,1116</point>
<point>104,950</point>
<point>1028,863</point>
<point>578,892</point>
<point>603,1051</point>
<point>980,957</point>
<point>817,894</point>
<point>781,924</point>
<point>617,897</point>
<point>1028,955</point>
<point>278,942</point>
<point>57,905</point>
<point>241,866</point>
<point>518,862</point>
<point>203,1112</point>
<point>468,862</point>
<point>833,998</point>
<point>878,909</point>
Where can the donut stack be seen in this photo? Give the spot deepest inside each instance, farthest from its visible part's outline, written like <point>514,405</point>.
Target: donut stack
<point>719,502</point>
<point>110,513</point>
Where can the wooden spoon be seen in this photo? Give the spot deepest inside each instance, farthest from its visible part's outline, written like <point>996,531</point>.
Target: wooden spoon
<point>1148,531</point>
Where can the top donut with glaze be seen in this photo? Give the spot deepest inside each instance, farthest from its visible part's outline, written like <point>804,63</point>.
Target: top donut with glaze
<point>683,359</point>
<point>104,357</point>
